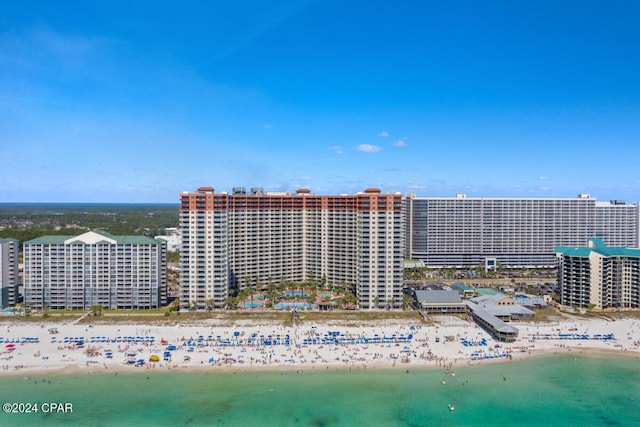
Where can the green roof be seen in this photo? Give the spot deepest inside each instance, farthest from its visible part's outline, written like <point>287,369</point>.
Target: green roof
<point>8,239</point>
<point>598,246</point>
<point>54,240</point>
<point>486,291</point>
<point>120,240</point>
<point>461,286</point>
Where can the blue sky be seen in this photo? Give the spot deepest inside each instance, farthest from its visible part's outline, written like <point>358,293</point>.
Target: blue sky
<point>112,101</point>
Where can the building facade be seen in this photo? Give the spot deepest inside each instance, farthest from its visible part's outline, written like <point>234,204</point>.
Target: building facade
<point>516,233</point>
<point>9,277</point>
<point>95,268</point>
<point>240,239</point>
<point>599,276</point>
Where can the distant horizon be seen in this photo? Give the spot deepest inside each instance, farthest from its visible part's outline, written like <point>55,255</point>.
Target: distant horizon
<point>293,192</point>
<point>87,204</point>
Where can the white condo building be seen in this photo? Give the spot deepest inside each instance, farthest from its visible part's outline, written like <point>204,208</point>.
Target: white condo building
<point>515,232</point>
<point>242,239</point>
<point>9,279</point>
<point>95,268</point>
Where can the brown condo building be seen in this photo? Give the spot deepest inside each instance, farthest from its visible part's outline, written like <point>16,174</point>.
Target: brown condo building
<point>240,239</point>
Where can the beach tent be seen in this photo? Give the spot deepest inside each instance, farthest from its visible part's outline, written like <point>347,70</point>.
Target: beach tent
<point>154,358</point>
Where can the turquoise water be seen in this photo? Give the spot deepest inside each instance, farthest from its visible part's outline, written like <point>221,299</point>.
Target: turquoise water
<point>290,305</point>
<point>252,304</point>
<point>550,391</point>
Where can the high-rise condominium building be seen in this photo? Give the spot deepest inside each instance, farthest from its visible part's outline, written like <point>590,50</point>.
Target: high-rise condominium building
<point>599,276</point>
<point>8,272</point>
<point>95,268</point>
<point>467,232</point>
<point>245,238</point>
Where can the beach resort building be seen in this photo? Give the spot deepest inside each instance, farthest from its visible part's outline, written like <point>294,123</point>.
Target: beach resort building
<point>440,301</point>
<point>598,276</point>
<point>95,268</point>
<point>512,232</point>
<point>502,306</point>
<point>9,278</point>
<point>245,238</point>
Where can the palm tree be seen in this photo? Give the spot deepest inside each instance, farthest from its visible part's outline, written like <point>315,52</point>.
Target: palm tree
<point>406,302</point>
<point>96,310</point>
<point>348,300</point>
<point>230,302</point>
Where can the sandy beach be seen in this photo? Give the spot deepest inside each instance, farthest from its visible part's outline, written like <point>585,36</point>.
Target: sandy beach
<point>29,348</point>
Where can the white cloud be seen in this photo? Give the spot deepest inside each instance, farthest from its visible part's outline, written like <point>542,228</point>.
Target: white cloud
<point>400,143</point>
<point>267,126</point>
<point>368,148</point>
<point>542,178</point>
<point>337,149</point>
<point>383,134</point>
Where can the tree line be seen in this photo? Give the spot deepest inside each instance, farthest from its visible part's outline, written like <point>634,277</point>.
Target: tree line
<point>26,222</point>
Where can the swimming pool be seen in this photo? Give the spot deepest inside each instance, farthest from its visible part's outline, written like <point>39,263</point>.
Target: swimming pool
<point>290,305</point>
<point>253,304</point>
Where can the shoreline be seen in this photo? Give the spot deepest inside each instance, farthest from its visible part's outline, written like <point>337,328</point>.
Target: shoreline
<point>76,370</point>
<point>450,343</point>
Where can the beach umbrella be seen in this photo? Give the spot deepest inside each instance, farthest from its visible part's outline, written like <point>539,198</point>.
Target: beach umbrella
<point>10,346</point>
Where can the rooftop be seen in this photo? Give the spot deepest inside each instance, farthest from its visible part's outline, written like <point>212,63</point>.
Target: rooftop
<point>597,246</point>
<point>438,297</point>
<point>94,237</point>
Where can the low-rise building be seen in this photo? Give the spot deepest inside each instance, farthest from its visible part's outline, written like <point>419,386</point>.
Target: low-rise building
<point>464,290</point>
<point>439,301</point>
<point>501,306</point>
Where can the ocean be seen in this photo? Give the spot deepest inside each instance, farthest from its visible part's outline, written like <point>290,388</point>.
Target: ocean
<point>554,390</point>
